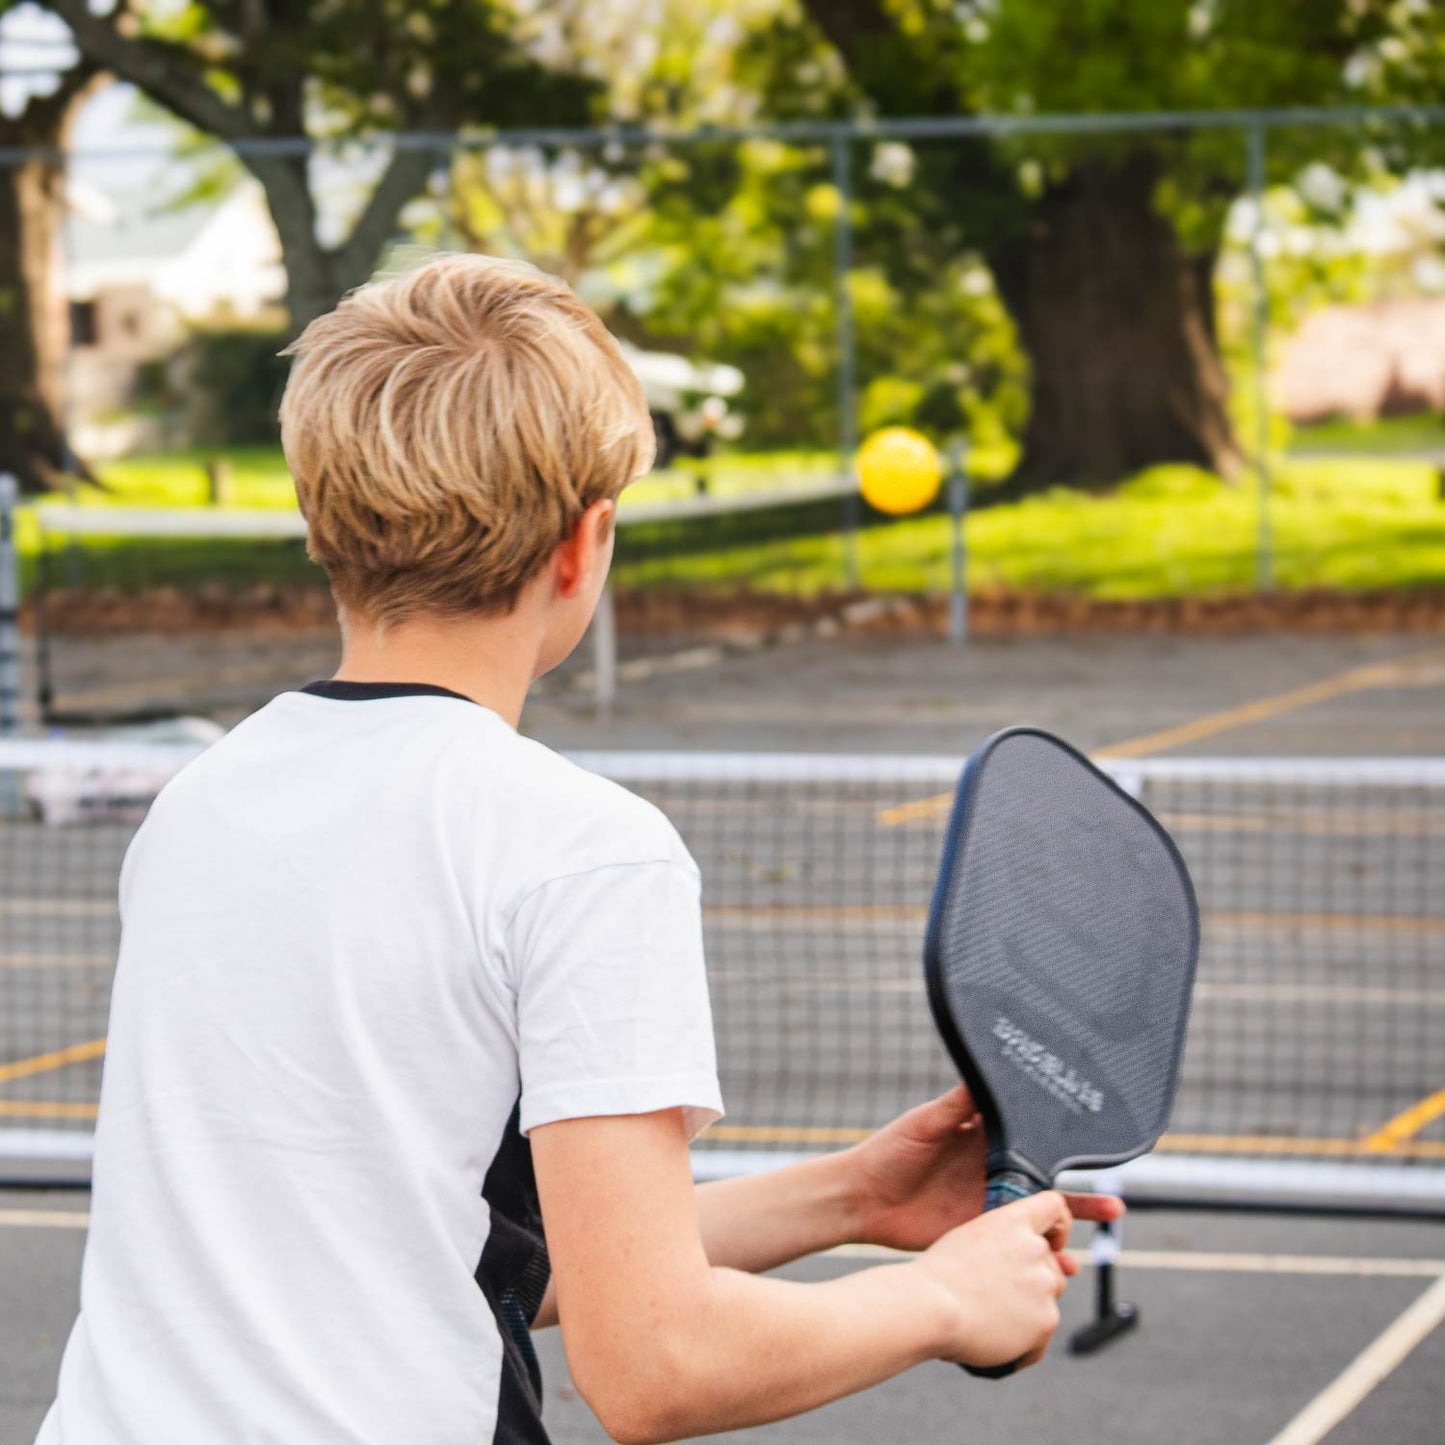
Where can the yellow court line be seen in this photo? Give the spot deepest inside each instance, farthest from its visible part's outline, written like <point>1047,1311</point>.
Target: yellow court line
<point>1288,1144</point>
<point>816,912</point>
<point>1404,1127</point>
<point>1331,922</point>
<point>57,960</point>
<point>920,810</point>
<point>784,1134</point>
<point>1362,823</point>
<point>1403,671</point>
<point>917,913</point>
<point>43,1063</point>
<point>45,1109</point>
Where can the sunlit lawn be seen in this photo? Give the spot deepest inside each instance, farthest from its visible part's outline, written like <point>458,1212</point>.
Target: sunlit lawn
<point>1353,522</point>
<point>1388,436</point>
<point>1171,531</point>
<point>259,478</point>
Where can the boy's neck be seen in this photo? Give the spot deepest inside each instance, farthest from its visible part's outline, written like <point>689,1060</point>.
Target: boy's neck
<point>492,660</point>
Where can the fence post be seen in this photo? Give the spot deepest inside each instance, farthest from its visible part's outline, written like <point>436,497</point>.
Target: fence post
<point>219,474</point>
<point>1259,332</point>
<point>604,654</point>
<point>10,794</point>
<point>847,357</point>
<point>9,608</point>
<point>958,511</point>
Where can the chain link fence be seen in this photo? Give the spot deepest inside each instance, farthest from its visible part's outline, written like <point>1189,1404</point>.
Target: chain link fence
<point>1186,359</point>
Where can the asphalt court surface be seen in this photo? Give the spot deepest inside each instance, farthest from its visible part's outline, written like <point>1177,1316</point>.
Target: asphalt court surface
<point>1245,1322</point>
<point>1365,695</point>
<point>1326,1028</point>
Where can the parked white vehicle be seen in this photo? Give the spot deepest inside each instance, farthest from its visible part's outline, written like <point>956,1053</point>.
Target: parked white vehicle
<point>688,401</point>
<point>120,792</point>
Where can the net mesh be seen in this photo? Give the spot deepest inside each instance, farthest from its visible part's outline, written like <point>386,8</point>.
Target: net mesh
<point>1318,1030</point>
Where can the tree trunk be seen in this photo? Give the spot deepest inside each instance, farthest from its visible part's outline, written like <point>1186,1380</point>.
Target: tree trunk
<point>1118,324</point>
<point>318,276</point>
<point>313,285</point>
<point>34,315</point>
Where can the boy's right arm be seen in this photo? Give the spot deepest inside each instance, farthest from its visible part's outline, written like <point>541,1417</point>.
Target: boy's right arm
<point>663,1345</point>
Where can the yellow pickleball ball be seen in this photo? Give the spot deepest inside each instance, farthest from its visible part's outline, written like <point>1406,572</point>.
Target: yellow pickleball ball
<point>899,471</point>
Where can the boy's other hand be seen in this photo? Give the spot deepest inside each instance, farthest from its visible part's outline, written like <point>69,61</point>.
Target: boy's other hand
<point>998,1280</point>
<point>923,1175</point>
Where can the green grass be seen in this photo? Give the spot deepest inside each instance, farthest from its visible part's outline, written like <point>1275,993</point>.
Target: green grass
<point>1172,531</point>
<point>1352,523</point>
<point>259,478</point>
<point>1391,436</point>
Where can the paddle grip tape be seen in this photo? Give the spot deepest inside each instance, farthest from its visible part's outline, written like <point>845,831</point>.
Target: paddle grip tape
<point>1003,1188</point>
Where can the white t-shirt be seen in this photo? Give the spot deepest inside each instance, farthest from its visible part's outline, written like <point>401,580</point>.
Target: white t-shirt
<point>355,933</point>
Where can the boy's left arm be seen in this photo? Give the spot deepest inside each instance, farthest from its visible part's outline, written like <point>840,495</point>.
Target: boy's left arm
<point>904,1187</point>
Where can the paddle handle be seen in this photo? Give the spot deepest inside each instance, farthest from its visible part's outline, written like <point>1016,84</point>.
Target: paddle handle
<point>1006,1186</point>
<point>1003,1188</point>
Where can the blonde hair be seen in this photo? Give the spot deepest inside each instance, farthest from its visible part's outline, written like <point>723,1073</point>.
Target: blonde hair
<point>447,429</point>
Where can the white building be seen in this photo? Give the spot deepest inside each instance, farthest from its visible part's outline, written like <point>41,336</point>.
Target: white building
<point>137,284</point>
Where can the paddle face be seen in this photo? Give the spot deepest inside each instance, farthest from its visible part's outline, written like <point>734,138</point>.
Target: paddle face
<point>1060,960</point>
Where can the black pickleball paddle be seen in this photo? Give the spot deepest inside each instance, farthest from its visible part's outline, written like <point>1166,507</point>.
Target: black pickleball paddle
<point>1060,959</point>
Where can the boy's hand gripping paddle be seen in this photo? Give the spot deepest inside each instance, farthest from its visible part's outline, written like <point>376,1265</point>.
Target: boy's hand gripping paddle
<point>1060,961</point>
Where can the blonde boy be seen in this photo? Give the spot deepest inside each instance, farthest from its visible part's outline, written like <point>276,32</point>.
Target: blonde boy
<point>398,986</point>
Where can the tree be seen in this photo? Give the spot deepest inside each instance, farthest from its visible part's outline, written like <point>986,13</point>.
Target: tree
<point>1102,248</point>
<point>259,74</point>
<point>562,210</point>
<point>33,317</point>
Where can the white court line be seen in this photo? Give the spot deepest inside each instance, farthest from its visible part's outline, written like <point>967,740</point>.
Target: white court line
<point>44,1219</point>
<point>1323,1264</point>
<point>1189,1260</point>
<point>1372,1365</point>
<point>1202,1261</point>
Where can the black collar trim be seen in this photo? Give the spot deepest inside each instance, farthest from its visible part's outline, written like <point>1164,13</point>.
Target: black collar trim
<point>339,691</point>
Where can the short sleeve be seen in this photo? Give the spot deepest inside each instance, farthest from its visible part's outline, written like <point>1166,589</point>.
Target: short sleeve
<point>612,1006</point>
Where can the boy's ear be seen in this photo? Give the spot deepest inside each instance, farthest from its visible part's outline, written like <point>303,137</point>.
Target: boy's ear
<point>578,556</point>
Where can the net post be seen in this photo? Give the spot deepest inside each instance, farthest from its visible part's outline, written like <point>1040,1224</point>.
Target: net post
<point>604,654</point>
<point>958,510</point>
<point>1112,1317</point>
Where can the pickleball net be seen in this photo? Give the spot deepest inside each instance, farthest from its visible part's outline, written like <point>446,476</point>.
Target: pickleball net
<point>1315,1068</point>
